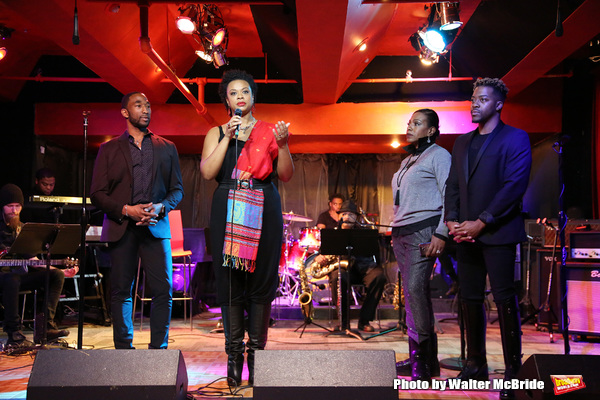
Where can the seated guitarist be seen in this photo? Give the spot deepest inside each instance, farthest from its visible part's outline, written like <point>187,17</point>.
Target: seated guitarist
<point>363,270</point>
<point>11,281</point>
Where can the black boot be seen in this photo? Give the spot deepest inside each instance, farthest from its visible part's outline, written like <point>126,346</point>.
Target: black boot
<point>434,363</point>
<point>510,331</point>
<point>473,314</point>
<point>233,326</point>
<point>421,370</point>
<point>52,331</point>
<point>404,367</point>
<point>258,326</point>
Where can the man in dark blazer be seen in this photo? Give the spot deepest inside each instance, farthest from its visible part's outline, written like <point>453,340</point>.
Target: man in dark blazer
<point>136,182</point>
<point>483,201</point>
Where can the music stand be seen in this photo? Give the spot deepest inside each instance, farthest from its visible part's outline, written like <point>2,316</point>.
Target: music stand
<point>348,242</point>
<point>37,238</point>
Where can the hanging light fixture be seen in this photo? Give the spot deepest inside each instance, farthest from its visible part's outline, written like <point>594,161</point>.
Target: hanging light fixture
<point>205,23</point>
<point>449,18</point>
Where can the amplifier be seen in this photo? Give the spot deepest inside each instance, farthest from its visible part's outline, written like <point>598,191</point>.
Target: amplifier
<point>583,305</point>
<point>585,245</point>
<point>544,236</point>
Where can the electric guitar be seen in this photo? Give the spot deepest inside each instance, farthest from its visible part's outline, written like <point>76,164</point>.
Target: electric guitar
<point>24,263</point>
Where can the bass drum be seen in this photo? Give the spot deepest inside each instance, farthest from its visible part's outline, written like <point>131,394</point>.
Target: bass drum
<point>309,271</point>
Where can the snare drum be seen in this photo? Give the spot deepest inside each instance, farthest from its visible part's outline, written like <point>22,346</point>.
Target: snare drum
<point>310,238</point>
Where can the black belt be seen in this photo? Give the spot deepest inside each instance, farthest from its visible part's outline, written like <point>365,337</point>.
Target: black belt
<point>244,184</point>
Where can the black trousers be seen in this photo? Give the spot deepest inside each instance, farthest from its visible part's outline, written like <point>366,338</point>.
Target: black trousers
<point>476,260</point>
<point>35,279</point>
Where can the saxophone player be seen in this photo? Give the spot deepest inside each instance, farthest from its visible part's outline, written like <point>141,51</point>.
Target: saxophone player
<point>362,270</point>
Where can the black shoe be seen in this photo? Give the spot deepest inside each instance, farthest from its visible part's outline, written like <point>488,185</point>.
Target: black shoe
<point>17,339</point>
<point>365,327</point>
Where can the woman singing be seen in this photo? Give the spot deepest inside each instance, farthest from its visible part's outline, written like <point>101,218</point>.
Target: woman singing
<point>418,188</point>
<point>245,155</point>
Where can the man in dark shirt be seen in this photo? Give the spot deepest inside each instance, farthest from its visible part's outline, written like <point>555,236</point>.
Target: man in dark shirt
<point>136,182</point>
<point>363,270</point>
<point>329,219</point>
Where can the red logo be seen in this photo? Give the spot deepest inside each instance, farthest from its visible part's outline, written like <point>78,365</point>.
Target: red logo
<point>567,383</point>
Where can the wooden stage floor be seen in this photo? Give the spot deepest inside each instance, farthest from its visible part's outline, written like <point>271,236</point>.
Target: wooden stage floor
<point>206,360</point>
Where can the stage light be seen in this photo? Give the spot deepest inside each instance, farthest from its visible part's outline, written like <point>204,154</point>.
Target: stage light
<point>428,56</point>
<point>187,20</point>
<point>2,52</point>
<point>449,18</point>
<point>204,56</point>
<point>433,39</point>
<point>219,37</point>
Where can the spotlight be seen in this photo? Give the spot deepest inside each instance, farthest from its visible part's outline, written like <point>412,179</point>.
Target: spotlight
<point>205,56</point>
<point>219,37</point>
<point>428,56</point>
<point>433,39</point>
<point>186,22</point>
<point>2,52</point>
<point>449,18</point>
<point>219,58</point>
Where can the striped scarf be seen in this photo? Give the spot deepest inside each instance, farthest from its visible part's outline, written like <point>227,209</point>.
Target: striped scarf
<point>243,228</point>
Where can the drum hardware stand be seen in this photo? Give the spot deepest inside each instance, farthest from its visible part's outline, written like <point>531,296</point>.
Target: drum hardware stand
<point>546,306</point>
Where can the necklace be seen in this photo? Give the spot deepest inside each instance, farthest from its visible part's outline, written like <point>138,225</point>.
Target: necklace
<point>244,128</point>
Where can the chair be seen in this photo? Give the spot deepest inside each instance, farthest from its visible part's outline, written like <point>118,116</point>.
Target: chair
<point>177,251</point>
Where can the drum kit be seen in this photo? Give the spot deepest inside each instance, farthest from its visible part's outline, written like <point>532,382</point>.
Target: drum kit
<point>295,254</point>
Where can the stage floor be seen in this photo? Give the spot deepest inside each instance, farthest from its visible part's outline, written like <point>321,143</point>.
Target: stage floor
<point>206,360</point>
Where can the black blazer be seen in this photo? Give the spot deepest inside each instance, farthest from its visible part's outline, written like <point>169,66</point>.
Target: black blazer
<point>112,184</point>
<point>493,191</point>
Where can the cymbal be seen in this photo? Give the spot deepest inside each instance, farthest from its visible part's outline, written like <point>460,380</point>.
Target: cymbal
<point>296,217</point>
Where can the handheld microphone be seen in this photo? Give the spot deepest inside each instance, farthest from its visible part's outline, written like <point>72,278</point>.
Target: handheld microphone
<point>237,112</point>
<point>75,26</point>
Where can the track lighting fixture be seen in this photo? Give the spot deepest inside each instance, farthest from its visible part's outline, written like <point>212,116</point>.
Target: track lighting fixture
<point>205,23</point>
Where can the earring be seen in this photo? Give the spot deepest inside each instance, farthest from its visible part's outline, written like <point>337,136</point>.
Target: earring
<point>428,139</point>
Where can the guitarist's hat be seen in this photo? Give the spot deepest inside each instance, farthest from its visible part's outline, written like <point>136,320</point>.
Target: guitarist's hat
<point>11,193</point>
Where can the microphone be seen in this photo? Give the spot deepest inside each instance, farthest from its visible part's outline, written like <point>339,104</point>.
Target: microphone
<point>237,112</point>
<point>75,26</point>
<point>558,31</point>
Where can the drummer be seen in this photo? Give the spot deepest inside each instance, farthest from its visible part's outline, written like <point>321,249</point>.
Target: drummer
<point>330,219</point>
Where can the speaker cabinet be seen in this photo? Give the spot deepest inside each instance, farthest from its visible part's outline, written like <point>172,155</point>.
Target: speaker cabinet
<point>108,374</point>
<point>583,299</point>
<point>543,366</point>
<point>324,374</point>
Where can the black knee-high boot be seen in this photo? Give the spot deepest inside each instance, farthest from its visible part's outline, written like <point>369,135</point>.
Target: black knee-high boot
<point>473,314</point>
<point>510,331</point>
<point>404,367</point>
<point>421,368</point>
<point>434,363</point>
<point>233,326</point>
<point>258,326</point>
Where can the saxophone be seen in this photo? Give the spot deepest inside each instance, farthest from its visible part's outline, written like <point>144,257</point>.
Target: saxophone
<point>305,298</point>
<point>318,271</point>
<point>398,295</point>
